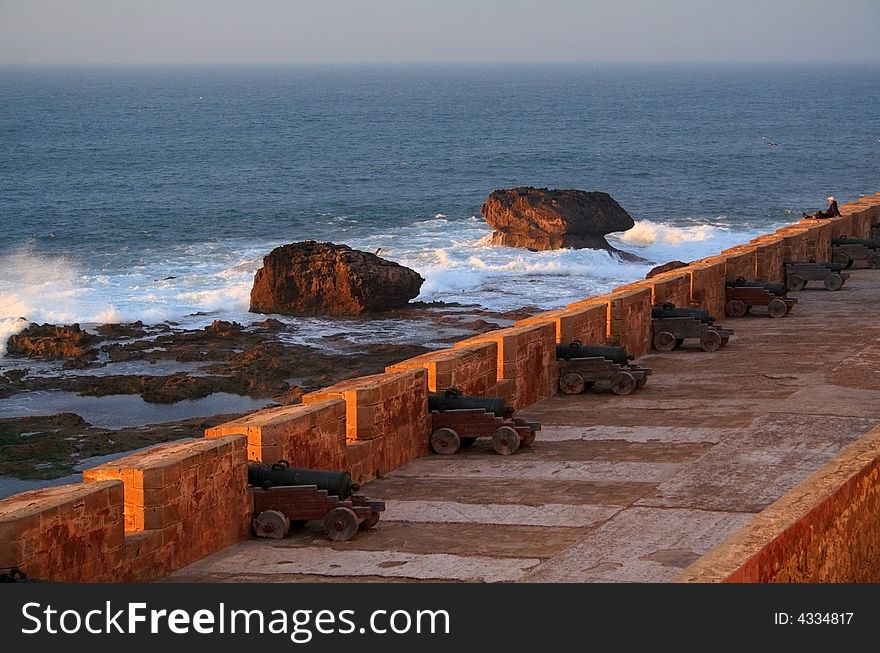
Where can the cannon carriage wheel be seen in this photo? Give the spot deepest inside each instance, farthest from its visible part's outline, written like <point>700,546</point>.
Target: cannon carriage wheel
<point>528,440</point>
<point>623,383</point>
<point>777,308</point>
<point>833,281</point>
<point>273,524</point>
<point>505,440</point>
<point>711,340</point>
<point>736,308</point>
<point>795,282</point>
<point>341,524</point>
<point>641,382</point>
<point>371,520</point>
<point>873,260</point>
<point>571,384</point>
<point>445,441</point>
<point>843,259</point>
<point>664,341</point>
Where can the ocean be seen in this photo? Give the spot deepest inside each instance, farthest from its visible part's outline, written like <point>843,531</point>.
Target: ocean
<point>152,193</point>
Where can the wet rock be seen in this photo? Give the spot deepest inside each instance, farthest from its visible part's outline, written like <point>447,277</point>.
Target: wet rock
<point>311,278</point>
<point>80,364</point>
<point>16,375</point>
<point>224,329</point>
<point>666,267</point>
<point>53,342</point>
<point>122,331</point>
<point>269,324</point>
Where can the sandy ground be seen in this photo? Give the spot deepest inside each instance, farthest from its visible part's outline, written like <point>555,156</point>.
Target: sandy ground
<point>617,489</point>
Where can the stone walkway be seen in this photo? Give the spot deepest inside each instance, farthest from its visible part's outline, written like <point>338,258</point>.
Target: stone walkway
<point>617,489</point>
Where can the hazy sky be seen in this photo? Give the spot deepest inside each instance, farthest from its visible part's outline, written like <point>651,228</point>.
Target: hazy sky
<point>250,31</point>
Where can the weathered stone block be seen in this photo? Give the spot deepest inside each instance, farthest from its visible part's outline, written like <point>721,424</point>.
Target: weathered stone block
<point>471,369</point>
<point>311,436</point>
<point>741,262</point>
<point>64,533</point>
<point>630,320</point>
<point>527,357</point>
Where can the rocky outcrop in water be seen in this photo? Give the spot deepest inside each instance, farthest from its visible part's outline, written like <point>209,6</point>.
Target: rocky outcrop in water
<point>52,342</point>
<point>541,219</point>
<point>119,331</point>
<point>311,278</point>
<point>666,267</point>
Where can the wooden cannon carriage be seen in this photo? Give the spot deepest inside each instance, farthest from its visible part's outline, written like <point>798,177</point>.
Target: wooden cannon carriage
<point>458,420</point>
<point>798,273</point>
<point>847,251</point>
<point>285,498</point>
<point>742,295</point>
<point>671,326</point>
<point>581,367</point>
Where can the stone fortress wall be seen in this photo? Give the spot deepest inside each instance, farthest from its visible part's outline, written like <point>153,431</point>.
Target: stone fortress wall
<point>147,514</point>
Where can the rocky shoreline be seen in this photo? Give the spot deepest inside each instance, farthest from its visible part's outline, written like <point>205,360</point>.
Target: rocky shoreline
<point>251,360</point>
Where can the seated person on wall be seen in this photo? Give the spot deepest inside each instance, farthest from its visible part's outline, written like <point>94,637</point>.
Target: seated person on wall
<point>831,212</point>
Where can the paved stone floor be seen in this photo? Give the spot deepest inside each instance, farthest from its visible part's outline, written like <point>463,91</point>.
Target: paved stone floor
<point>617,489</point>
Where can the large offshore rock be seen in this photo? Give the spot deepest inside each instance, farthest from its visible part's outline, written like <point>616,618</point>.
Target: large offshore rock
<point>311,278</point>
<point>539,218</point>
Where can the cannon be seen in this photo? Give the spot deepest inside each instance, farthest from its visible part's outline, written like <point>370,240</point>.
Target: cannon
<point>12,575</point>
<point>777,289</point>
<point>282,474</point>
<point>453,399</point>
<point>846,251</point>
<point>581,367</point>
<point>575,349</point>
<point>798,273</point>
<point>742,295</point>
<point>670,329</point>
<point>849,240</point>
<point>285,498</point>
<point>459,426</point>
<point>667,311</point>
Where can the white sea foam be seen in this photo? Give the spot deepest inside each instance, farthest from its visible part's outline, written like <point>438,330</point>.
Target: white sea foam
<point>646,233</point>
<point>661,242</point>
<point>41,288</point>
<point>9,326</point>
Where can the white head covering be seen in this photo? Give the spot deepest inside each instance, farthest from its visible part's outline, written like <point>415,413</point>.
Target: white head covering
<point>831,198</point>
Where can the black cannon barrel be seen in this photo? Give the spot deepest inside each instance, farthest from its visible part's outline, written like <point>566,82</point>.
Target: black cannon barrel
<point>266,476</point>
<point>668,310</point>
<point>777,289</point>
<point>834,267</point>
<point>453,399</point>
<point>846,240</point>
<point>575,349</point>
